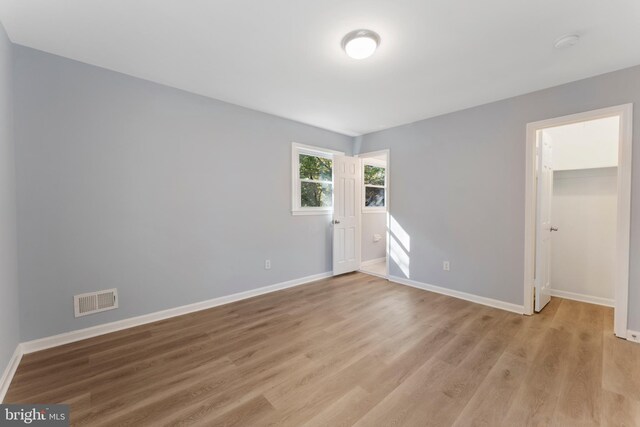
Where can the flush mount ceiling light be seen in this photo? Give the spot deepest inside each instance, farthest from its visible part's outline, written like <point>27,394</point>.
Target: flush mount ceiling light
<point>566,41</point>
<point>360,44</point>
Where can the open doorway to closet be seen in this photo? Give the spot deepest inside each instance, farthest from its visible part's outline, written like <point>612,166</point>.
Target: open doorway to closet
<point>583,201</point>
<point>375,208</point>
<point>578,211</point>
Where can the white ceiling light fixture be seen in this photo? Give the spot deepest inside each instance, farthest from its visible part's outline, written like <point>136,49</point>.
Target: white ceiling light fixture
<point>566,41</point>
<point>360,44</point>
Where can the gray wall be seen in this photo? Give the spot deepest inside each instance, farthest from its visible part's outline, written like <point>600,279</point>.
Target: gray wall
<point>9,331</point>
<point>458,186</point>
<point>171,197</point>
<point>175,198</point>
<point>374,223</point>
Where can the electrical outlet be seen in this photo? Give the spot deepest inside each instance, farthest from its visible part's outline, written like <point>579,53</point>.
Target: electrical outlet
<point>446,266</point>
<point>267,264</point>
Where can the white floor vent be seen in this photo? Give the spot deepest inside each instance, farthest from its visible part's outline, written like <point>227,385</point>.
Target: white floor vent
<point>95,302</point>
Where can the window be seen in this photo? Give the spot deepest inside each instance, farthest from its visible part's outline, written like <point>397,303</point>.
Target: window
<point>312,180</point>
<point>375,186</point>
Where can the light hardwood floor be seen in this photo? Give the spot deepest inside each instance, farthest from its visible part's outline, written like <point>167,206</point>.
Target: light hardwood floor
<point>352,350</point>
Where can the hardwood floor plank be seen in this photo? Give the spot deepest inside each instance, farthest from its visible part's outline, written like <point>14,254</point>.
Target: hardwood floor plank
<point>247,414</point>
<point>621,373</point>
<point>619,411</point>
<point>413,393</point>
<point>453,392</point>
<point>492,400</point>
<point>581,393</point>
<point>405,364</point>
<point>345,411</point>
<point>535,403</point>
<point>313,398</point>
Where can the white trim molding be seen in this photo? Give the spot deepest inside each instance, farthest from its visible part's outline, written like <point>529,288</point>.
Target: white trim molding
<point>10,371</point>
<point>81,334</point>
<point>633,336</point>
<point>607,302</point>
<point>502,305</point>
<point>625,112</point>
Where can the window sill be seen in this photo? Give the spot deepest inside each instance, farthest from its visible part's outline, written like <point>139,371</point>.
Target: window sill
<point>312,212</point>
<point>373,211</point>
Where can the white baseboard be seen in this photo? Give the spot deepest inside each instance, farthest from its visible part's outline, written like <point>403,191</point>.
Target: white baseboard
<point>461,295</point>
<point>633,336</point>
<point>10,371</point>
<point>372,261</point>
<point>582,298</point>
<point>81,334</point>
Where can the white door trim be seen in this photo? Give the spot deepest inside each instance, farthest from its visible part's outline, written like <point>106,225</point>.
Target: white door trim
<point>625,112</point>
<point>387,153</point>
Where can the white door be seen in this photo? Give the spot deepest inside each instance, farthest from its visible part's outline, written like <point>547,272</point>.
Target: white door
<point>346,214</point>
<point>543,222</point>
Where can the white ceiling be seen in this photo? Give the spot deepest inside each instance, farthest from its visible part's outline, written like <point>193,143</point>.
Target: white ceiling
<point>284,56</point>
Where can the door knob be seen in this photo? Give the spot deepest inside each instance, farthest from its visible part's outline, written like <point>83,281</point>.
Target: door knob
<point>553,229</point>
<point>335,221</point>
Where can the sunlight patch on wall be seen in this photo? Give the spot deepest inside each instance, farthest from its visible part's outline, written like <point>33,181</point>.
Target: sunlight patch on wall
<point>399,246</point>
<point>401,235</point>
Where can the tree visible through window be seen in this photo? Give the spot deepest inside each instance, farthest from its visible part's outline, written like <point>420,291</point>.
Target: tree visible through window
<point>374,186</point>
<point>316,181</point>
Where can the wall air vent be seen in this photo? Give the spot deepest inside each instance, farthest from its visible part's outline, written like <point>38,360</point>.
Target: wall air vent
<point>95,302</point>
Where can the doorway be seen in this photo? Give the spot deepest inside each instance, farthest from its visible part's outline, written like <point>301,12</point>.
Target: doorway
<point>374,212</point>
<point>577,215</point>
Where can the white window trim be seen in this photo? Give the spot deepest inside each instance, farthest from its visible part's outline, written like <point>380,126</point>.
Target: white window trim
<point>296,150</point>
<point>382,164</point>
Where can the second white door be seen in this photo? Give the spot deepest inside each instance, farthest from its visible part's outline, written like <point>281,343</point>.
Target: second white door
<point>543,224</point>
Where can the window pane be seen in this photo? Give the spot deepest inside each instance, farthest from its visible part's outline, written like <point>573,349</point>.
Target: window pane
<point>316,168</point>
<point>374,197</point>
<point>316,195</point>
<point>373,175</point>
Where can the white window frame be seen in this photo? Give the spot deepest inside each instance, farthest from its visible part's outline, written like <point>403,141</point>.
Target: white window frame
<point>296,150</point>
<point>381,164</point>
